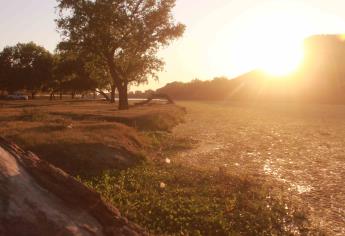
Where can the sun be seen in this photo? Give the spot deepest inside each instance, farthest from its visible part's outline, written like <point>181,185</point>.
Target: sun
<point>275,41</point>
<point>267,37</point>
<point>283,60</point>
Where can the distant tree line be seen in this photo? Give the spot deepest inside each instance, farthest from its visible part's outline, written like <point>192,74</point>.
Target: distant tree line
<point>321,78</point>
<point>216,89</point>
<point>29,67</point>
<point>107,45</point>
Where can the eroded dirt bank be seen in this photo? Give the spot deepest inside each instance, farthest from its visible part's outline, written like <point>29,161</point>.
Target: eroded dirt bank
<point>301,149</point>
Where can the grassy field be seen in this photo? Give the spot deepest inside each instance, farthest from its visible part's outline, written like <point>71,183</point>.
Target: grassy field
<point>228,169</point>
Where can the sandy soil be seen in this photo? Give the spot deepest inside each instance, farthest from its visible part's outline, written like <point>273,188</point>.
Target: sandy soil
<point>300,148</point>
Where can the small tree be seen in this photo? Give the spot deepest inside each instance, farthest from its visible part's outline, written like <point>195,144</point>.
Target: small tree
<point>26,66</point>
<point>124,34</point>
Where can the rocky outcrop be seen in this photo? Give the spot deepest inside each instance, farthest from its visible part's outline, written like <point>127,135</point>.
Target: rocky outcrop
<point>37,198</point>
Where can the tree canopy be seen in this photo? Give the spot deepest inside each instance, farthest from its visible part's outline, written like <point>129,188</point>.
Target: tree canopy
<point>73,73</point>
<point>124,34</point>
<point>25,66</point>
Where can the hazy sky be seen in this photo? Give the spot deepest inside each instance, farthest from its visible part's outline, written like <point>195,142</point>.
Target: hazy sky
<point>223,37</point>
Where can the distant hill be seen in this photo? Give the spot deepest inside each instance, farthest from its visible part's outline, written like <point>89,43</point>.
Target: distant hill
<point>321,78</point>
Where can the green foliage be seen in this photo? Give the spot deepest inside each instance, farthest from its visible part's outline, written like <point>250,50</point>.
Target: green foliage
<point>76,74</point>
<point>197,203</point>
<point>25,66</point>
<point>125,35</point>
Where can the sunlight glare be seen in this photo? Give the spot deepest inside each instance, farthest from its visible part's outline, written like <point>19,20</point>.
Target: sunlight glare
<point>282,61</point>
<point>267,37</point>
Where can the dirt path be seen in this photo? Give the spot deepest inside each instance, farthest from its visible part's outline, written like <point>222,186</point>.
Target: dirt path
<point>302,148</point>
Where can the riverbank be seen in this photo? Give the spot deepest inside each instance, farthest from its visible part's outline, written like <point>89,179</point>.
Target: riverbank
<point>215,173</point>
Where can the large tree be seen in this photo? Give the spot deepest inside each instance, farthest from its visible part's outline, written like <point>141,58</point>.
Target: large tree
<point>124,34</point>
<point>25,66</point>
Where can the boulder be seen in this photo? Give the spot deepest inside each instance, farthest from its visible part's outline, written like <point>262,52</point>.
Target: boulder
<point>37,199</point>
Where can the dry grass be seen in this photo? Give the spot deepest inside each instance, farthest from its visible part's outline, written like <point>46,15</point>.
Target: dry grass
<point>84,138</point>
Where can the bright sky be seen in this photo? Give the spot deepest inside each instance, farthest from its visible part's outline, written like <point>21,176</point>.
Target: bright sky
<point>223,37</point>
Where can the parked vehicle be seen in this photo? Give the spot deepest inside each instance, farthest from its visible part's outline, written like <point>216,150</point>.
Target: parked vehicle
<point>17,96</point>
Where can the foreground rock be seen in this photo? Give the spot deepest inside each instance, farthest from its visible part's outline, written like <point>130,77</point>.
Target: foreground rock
<point>37,198</point>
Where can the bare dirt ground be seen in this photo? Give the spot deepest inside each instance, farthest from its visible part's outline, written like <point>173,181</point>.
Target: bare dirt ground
<point>299,148</point>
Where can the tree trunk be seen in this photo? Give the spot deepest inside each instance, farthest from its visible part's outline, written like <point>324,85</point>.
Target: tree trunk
<point>104,95</point>
<point>112,96</point>
<point>120,83</point>
<point>123,96</point>
<point>33,95</point>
